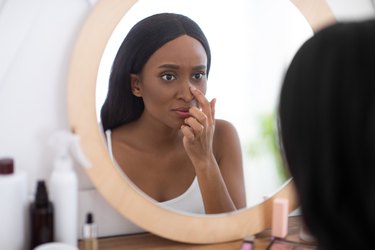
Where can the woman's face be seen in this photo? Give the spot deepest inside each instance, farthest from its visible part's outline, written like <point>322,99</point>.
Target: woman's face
<point>166,78</point>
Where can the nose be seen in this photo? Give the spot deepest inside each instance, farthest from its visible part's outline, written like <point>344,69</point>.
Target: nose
<point>184,91</point>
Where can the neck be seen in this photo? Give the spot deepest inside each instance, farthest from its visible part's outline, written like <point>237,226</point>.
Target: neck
<point>154,134</point>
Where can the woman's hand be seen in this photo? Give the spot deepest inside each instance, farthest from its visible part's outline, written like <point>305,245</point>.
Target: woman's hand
<point>199,128</point>
<point>221,187</point>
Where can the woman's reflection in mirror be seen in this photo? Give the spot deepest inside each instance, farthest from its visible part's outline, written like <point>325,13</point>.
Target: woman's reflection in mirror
<point>327,120</point>
<point>160,128</point>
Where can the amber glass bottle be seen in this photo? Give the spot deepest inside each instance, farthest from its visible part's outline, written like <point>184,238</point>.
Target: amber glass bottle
<point>41,217</point>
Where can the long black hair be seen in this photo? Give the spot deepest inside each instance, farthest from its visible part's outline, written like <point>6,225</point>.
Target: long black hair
<point>148,35</point>
<point>327,120</point>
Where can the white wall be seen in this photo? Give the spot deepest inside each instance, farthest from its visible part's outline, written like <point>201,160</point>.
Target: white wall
<point>36,42</point>
<point>346,10</point>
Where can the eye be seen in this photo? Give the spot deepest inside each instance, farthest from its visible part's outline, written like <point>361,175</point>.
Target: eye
<point>168,77</point>
<point>198,76</point>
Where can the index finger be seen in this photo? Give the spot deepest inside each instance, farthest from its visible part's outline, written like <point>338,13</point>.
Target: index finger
<point>203,102</point>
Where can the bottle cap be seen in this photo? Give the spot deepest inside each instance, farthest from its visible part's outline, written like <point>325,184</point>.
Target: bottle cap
<point>89,218</point>
<point>55,246</point>
<point>89,228</point>
<point>41,196</point>
<point>65,144</point>
<point>6,166</point>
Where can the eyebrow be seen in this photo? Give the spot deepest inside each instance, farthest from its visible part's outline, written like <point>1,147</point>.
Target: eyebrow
<point>174,66</point>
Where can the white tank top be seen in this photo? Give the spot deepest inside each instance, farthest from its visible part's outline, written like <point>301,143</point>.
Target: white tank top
<point>190,201</point>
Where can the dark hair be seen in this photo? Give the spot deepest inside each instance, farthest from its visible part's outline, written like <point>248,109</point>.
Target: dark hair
<point>327,121</point>
<point>147,36</point>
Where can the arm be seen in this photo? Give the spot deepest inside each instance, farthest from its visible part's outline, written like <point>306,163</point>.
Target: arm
<point>229,156</point>
<point>221,187</point>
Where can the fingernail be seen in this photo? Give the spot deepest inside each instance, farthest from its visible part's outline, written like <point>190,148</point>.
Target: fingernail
<point>192,88</point>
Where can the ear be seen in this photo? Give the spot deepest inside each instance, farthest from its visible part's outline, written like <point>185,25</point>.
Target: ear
<point>135,85</point>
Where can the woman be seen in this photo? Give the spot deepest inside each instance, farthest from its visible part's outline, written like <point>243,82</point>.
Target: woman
<point>327,120</point>
<point>160,127</point>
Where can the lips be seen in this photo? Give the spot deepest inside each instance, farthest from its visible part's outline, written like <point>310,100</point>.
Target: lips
<point>182,111</point>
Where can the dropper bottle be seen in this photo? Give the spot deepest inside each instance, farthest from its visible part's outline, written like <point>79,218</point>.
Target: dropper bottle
<point>90,241</point>
<point>41,217</point>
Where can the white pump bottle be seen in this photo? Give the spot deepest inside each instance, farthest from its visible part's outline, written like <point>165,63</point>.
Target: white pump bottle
<point>63,187</point>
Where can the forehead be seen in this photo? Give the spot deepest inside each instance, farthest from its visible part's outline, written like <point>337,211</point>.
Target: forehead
<point>183,50</point>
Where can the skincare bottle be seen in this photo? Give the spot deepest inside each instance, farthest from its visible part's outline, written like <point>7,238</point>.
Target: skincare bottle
<point>63,185</point>
<point>13,206</point>
<point>280,212</point>
<point>90,241</point>
<point>41,217</point>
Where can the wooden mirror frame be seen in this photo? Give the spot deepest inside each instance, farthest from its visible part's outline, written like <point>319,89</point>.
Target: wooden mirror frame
<point>109,181</point>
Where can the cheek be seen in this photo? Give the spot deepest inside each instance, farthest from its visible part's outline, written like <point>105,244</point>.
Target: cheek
<point>203,87</point>
<point>156,94</point>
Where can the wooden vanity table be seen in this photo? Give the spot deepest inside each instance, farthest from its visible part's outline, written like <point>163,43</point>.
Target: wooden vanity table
<point>150,241</point>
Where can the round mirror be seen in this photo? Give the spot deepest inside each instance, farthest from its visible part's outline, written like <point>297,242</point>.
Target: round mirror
<point>258,82</point>
<point>253,65</point>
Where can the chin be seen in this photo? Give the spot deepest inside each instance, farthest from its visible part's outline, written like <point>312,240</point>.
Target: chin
<point>177,125</point>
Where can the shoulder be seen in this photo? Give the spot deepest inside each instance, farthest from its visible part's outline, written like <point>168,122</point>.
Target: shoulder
<point>224,128</point>
<point>225,137</point>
